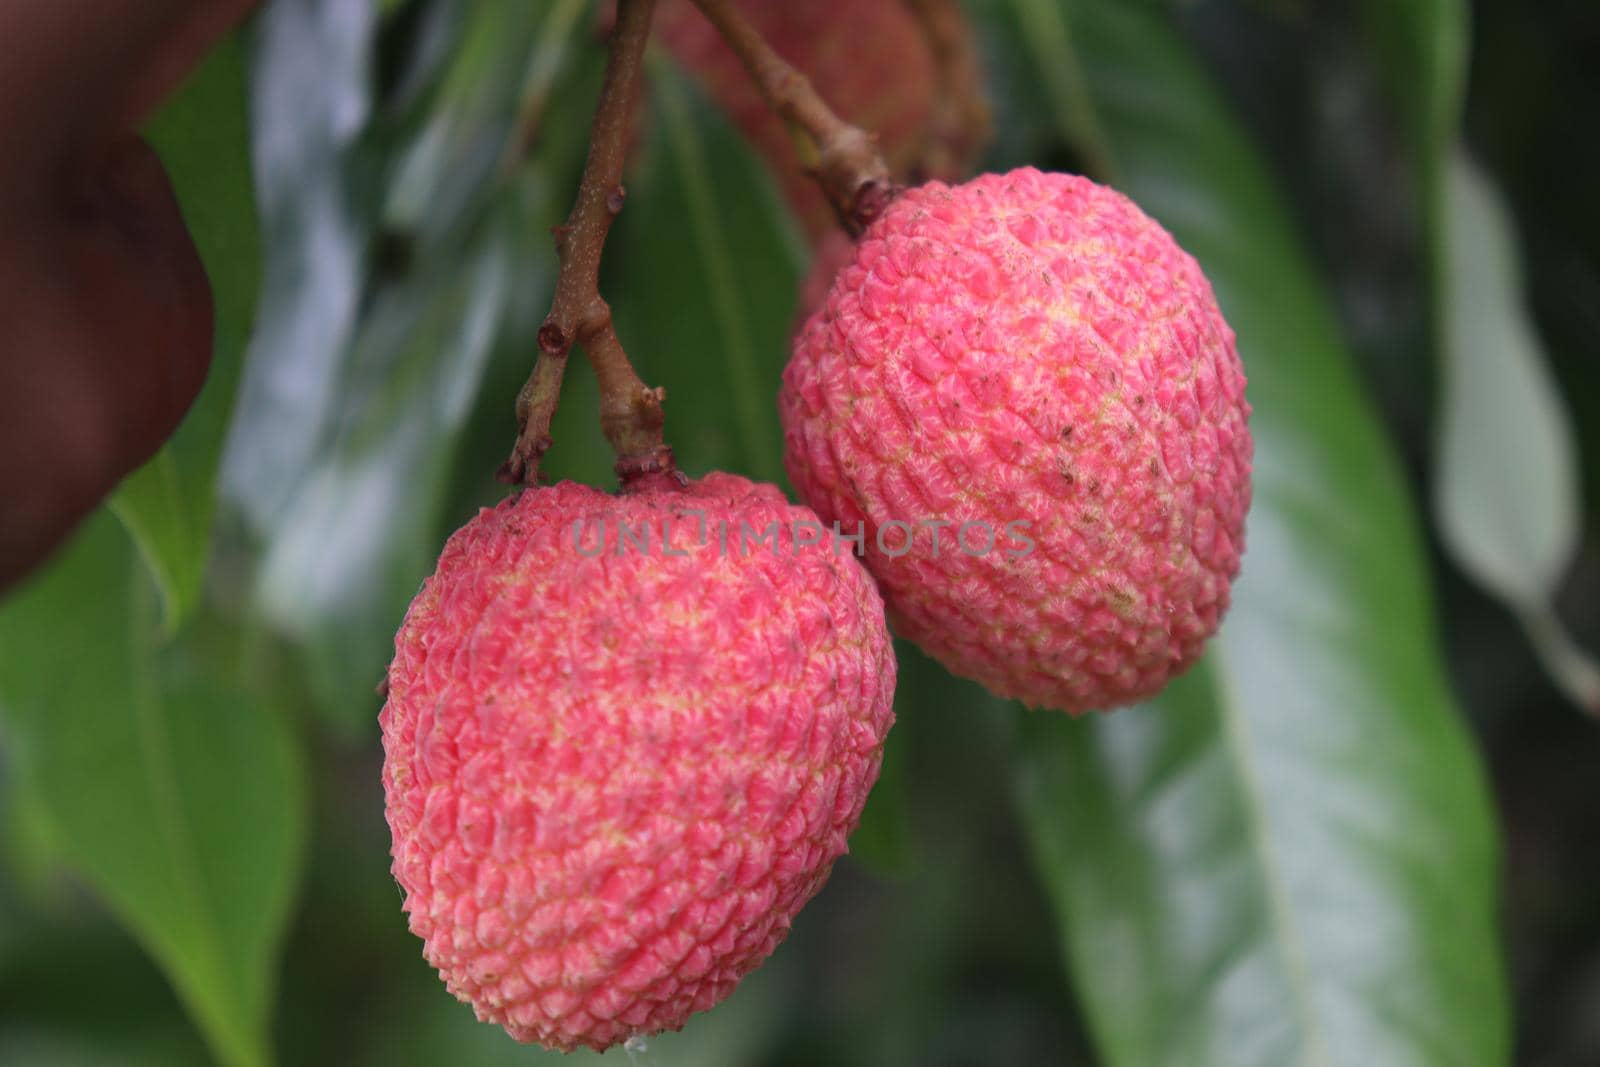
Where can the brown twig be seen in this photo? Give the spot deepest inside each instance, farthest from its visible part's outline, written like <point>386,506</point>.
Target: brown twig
<point>959,124</point>
<point>843,158</point>
<point>630,411</point>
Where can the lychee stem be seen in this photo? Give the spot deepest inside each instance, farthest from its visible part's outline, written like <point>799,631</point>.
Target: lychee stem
<point>960,122</point>
<point>630,411</point>
<point>843,158</point>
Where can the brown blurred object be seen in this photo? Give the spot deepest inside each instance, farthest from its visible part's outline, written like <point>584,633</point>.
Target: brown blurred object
<point>909,78</point>
<point>105,308</point>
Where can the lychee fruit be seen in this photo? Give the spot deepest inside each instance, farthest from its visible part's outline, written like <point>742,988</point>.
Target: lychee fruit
<point>625,739</point>
<point>1024,392</point>
<point>868,59</point>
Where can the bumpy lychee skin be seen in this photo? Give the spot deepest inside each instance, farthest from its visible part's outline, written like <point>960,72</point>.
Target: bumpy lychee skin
<point>613,775</point>
<point>1030,358</point>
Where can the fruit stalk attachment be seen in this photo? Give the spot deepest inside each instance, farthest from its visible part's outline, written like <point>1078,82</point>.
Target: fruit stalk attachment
<point>630,411</point>
<point>844,159</point>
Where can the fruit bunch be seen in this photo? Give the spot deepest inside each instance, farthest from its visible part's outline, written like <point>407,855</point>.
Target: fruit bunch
<point>626,736</point>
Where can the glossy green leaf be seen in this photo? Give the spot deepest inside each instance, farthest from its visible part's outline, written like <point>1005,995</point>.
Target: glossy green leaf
<point>309,84</point>
<point>365,375</point>
<point>1288,857</point>
<point>170,789</point>
<point>203,138</point>
<point>358,536</point>
<point>160,517</point>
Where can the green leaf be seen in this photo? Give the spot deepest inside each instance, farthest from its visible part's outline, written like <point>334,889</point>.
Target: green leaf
<point>202,136</point>
<point>169,788</point>
<point>1508,483</point>
<point>704,265</point>
<point>160,517</point>
<point>1506,490</point>
<point>177,797</point>
<point>358,537</point>
<point>1422,46</point>
<point>311,102</point>
<point>1506,486</point>
<point>883,841</point>
<point>364,377</point>
<point>1289,857</point>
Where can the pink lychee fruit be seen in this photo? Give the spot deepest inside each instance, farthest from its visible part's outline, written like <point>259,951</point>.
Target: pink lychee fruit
<point>625,739</point>
<point>1023,391</point>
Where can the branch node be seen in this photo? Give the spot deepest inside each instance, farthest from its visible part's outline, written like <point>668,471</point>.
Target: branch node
<point>872,199</point>
<point>578,314</point>
<point>844,159</point>
<point>655,468</point>
<point>553,339</point>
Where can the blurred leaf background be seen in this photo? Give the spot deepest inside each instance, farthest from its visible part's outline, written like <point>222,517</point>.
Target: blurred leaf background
<point>1360,833</point>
